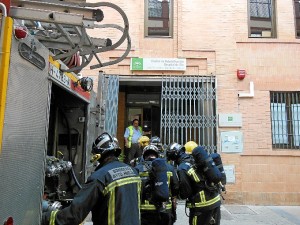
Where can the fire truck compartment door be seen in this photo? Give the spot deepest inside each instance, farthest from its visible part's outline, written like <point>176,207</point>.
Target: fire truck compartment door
<point>25,131</point>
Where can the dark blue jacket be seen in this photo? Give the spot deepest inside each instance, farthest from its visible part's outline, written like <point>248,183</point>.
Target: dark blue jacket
<point>193,187</point>
<point>146,203</point>
<point>111,193</point>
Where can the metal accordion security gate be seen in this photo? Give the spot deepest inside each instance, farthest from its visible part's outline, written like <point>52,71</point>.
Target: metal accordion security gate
<point>188,110</point>
<point>108,92</point>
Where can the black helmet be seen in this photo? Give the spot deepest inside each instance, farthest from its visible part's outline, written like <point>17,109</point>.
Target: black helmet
<point>106,144</point>
<point>157,142</point>
<point>174,150</point>
<point>117,146</point>
<point>150,149</point>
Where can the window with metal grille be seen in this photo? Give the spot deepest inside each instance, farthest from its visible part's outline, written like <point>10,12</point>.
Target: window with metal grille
<point>285,119</point>
<point>262,18</point>
<point>297,17</point>
<point>159,19</point>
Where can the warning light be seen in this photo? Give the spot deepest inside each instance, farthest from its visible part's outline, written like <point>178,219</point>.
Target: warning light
<point>20,32</point>
<point>9,221</point>
<point>241,74</point>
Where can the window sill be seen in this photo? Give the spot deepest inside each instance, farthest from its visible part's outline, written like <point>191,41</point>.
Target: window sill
<point>164,37</point>
<point>268,40</point>
<point>273,152</point>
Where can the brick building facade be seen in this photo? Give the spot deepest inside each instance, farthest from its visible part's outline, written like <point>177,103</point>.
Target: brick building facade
<point>217,38</point>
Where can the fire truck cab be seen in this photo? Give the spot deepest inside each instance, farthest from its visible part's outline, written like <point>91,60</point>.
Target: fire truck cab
<point>49,113</point>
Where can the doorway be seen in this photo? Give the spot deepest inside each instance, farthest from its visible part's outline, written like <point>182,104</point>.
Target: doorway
<point>177,109</point>
<point>143,103</point>
<point>148,115</point>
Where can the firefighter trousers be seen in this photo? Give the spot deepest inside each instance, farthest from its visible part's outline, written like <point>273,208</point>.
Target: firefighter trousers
<point>209,217</point>
<point>156,218</point>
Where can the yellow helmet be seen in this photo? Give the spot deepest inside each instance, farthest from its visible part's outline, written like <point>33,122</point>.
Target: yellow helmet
<point>189,146</point>
<point>144,141</point>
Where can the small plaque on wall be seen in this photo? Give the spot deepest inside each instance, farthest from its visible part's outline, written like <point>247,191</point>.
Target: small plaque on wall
<point>230,173</point>
<point>232,141</point>
<point>230,120</point>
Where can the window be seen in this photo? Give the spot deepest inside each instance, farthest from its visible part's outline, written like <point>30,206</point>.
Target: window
<point>158,18</point>
<point>285,119</point>
<point>262,18</point>
<point>297,17</point>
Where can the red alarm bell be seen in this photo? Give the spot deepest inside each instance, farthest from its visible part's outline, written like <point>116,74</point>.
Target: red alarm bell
<point>241,74</point>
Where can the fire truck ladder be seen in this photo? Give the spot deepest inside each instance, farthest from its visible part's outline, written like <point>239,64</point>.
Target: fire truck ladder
<point>62,27</point>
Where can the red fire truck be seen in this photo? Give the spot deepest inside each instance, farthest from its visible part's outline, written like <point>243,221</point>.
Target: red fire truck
<point>49,113</point>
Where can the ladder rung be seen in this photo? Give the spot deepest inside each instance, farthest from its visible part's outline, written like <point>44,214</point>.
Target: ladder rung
<point>46,16</point>
<point>61,27</point>
<point>87,13</point>
<point>99,42</point>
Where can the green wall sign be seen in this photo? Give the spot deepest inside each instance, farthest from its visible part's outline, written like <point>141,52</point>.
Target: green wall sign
<point>158,64</point>
<point>136,64</point>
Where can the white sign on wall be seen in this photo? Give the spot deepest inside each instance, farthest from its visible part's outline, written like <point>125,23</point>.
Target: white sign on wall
<point>232,141</point>
<point>158,64</point>
<point>230,120</point>
<point>230,173</point>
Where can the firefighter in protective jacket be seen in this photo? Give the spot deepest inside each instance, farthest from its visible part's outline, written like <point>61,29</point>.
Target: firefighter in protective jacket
<point>143,142</point>
<point>111,193</point>
<point>202,200</point>
<point>155,212</point>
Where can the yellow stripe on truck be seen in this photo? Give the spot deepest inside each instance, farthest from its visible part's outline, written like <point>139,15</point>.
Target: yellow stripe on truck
<point>57,65</point>
<point>5,46</point>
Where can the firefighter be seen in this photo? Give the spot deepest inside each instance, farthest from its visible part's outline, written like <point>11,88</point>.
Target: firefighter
<point>143,142</point>
<point>111,193</point>
<point>203,201</point>
<point>189,147</point>
<point>157,142</point>
<point>154,212</point>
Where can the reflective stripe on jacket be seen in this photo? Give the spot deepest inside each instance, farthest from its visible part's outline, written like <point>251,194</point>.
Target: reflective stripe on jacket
<point>173,183</point>
<point>111,193</point>
<point>200,197</point>
<point>204,198</point>
<point>130,128</point>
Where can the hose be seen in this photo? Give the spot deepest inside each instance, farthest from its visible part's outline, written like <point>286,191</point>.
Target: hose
<point>75,179</point>
<point>69,147</point>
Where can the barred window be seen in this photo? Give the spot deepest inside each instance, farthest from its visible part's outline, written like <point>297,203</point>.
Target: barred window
<point>262,18</point>
<point>159,19</point>
<point>154,8</point>
<point>297,17</point>
<point>285,119</point>
<point>260,8</point>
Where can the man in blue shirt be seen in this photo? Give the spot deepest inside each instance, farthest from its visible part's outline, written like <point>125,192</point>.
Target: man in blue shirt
<point>132,135</point>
